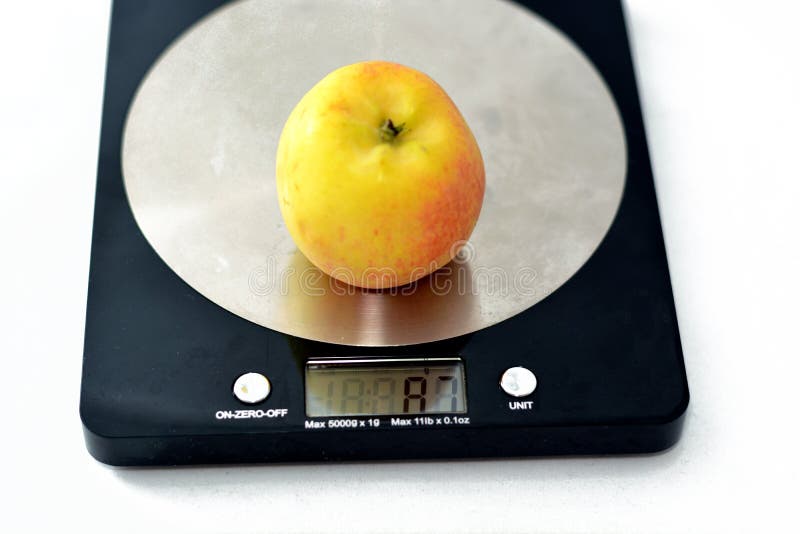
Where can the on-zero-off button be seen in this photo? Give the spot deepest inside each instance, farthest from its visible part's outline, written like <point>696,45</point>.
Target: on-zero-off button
<point>251,388</point>
<point>518,382</point>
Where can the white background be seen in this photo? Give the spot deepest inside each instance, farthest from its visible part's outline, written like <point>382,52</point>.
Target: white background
<point>720,83</point>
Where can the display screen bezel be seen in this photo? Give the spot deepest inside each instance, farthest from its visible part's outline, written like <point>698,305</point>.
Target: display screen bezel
<point>369,363</point>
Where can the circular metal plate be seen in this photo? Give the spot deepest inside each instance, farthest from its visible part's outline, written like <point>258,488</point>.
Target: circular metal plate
<point>201,135</point>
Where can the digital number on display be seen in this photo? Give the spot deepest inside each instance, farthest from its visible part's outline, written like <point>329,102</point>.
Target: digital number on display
<point>378,388</point>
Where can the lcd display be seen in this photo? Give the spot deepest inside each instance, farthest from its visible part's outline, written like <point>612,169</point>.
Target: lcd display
<point>384,387</point>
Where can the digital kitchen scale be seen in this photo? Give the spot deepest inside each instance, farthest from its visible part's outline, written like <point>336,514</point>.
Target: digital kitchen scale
<point>210,338</point>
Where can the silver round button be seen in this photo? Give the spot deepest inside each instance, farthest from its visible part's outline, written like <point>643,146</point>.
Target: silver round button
<point>518,382</point>
<point>251,388</point>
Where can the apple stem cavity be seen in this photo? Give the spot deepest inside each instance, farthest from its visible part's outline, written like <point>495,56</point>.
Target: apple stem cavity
<point>389,131</point>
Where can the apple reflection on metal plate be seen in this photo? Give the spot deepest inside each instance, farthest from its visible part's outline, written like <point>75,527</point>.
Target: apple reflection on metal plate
<point>199,158</point>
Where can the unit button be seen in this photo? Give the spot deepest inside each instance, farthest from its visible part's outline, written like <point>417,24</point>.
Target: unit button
<point>251,388</point>
<point>518,382</point>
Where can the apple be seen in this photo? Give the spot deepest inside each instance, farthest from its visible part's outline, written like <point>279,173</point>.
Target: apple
<point>380,180</point>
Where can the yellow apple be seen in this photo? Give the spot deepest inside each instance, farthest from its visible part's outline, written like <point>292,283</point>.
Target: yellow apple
<point>380,180</point>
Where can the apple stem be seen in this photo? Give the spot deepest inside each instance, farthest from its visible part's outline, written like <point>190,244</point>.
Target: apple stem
<point>389,131</point>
